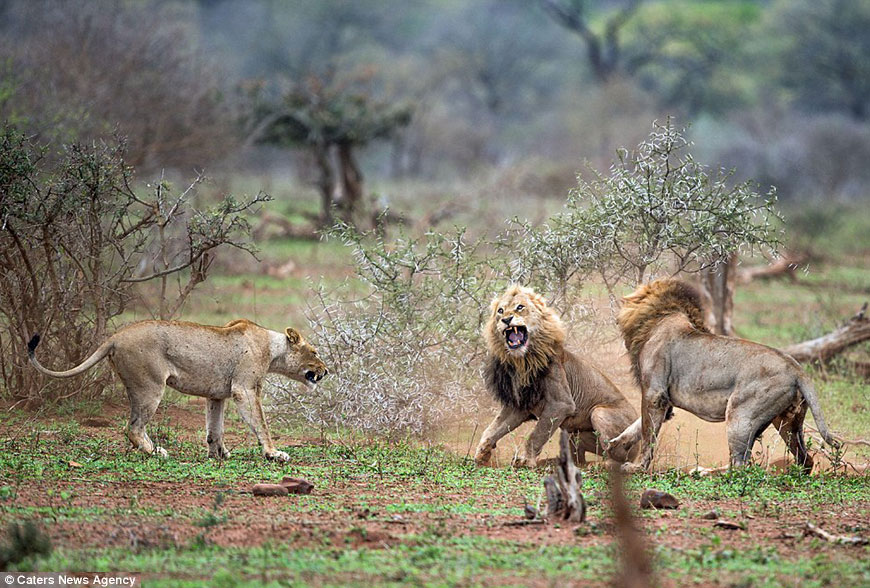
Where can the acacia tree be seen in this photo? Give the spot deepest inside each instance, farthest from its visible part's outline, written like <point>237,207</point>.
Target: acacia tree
<point>78,242</point>
<point>333,120</point>
<point>658,210</point>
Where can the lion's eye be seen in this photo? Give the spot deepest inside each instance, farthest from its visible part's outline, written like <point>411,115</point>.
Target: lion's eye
<point>520,307</point>
<point>501,311</point>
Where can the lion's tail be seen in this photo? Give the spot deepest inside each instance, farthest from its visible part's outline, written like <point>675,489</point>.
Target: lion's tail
<point>98,355</point>
<point>809,393</point>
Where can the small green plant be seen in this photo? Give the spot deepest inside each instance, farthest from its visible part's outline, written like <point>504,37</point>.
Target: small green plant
<point>213,517</point>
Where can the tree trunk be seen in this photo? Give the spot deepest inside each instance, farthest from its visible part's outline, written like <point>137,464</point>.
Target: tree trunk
<point>718,284</point>
<point>856,330</point>
<point>325,183</point>
<point>351,182</point>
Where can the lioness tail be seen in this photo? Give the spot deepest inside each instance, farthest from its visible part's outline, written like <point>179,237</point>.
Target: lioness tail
<point>31,345</point>
<point>97,356</point>
<point>809,393</point>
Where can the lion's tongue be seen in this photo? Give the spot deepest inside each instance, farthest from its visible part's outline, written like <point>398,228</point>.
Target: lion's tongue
<point>514,338</point>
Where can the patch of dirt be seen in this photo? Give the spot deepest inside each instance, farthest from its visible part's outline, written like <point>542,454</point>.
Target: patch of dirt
<point>181,513</point>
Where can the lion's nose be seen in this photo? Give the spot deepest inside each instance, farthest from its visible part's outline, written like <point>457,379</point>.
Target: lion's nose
<point>507,320</point>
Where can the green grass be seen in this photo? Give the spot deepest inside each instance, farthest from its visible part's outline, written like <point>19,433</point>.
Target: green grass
<point>390,479</point>
<point>434,560</point>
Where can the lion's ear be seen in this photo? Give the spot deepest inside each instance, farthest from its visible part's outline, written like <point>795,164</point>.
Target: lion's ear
<point>293,336</point>
<point>638,294</point>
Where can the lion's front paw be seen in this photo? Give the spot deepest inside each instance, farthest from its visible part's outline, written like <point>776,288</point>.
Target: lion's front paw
<point>277,456</point>
<point>631,468</point>
<point>521,461</point>
<point>160,452</point>
<point>483,457</point>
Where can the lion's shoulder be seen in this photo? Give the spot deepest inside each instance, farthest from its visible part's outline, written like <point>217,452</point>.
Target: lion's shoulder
<point>647,307</point>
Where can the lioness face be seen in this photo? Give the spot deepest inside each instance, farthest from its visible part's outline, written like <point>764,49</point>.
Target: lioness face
<point>301,360</point>
<point>515,318</point>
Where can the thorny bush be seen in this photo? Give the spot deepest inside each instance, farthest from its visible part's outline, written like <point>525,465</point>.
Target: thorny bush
<point>402,352</point>
<point>658,210</point>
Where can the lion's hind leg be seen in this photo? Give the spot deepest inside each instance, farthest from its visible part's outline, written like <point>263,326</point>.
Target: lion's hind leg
<point>609,424</point>
<point>790,425</point>
<point>214,428</point>
<point>144,400</point>
<point>745,421</point>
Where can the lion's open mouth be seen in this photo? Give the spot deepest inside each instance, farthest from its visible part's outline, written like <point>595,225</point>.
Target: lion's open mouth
<point>516,337</point>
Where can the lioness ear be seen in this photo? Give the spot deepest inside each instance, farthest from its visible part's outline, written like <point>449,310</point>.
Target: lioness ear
<point>293,336</point>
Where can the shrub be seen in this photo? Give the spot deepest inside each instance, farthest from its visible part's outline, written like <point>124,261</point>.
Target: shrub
<point>658,209</point>
<point>402,353</point>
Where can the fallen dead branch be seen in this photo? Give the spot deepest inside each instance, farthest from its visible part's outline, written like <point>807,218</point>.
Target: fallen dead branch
<point>855,330</point>
<point>730,525</point>
<point>841,440</point>
<point>525,523</point>
<point>782,267</point>
<point>812,529</point>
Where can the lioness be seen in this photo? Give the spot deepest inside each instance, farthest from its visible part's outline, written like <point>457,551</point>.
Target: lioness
<point>214,362</point>
<point>533,376</point>
<point>676,361</point>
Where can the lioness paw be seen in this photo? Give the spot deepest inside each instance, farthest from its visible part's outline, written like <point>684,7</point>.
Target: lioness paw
<point>277,456</point>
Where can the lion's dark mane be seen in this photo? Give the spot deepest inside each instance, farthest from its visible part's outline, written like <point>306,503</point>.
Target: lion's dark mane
<point>500,382</point>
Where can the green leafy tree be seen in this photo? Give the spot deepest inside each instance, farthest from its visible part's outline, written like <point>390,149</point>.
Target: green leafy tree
<point>693,55</point>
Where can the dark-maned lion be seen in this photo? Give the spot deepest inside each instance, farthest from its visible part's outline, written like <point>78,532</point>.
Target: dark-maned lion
<point>533,376</point>
<point>214,362</point>
<point>677,362</point>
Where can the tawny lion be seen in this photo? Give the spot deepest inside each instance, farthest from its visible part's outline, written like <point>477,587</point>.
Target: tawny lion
<point>677,362</point>
<point>215,362</point>
<point>533,376</point>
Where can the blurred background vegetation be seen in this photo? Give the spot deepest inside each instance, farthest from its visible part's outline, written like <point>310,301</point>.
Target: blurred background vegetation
<point>435,89</point>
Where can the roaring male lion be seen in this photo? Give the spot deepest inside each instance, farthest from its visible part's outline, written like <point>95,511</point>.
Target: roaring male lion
<point>214,362</point>
<point>533,376</point>
<point>678,362</point>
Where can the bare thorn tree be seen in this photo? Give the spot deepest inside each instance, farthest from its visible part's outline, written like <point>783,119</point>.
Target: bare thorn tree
<point>77,244</point>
